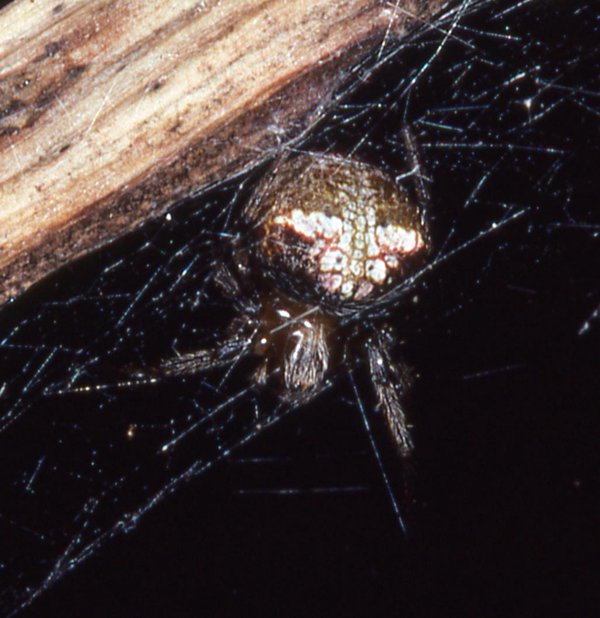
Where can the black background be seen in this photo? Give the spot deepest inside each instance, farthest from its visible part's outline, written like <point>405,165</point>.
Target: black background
<point>501,521</point>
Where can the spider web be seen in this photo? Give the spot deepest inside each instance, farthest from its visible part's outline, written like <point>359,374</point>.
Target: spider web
<point>502,329</point>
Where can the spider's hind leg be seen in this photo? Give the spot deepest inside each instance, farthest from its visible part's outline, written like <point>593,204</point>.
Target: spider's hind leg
<point>391,382</point>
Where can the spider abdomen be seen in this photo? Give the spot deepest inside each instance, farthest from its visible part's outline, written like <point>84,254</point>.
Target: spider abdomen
<point>336,230</point>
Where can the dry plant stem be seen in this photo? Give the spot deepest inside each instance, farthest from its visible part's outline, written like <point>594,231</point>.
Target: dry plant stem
<point>112,110</point>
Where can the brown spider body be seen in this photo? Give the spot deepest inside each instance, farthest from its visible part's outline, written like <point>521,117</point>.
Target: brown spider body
<point>336,231</point>
<point>324,238</point>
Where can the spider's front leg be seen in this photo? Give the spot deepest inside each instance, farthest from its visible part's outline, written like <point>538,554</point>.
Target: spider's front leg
<point>391,382</point>
<point>421,182</point>
<point>225,351</point>
<point>296,354</point>
<point>306,358</point>
<point>240,334</point>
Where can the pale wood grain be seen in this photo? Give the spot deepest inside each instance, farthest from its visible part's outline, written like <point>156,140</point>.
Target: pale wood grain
<point>113,110</point>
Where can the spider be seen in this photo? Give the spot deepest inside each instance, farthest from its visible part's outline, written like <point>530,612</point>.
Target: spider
<point>322,238</point>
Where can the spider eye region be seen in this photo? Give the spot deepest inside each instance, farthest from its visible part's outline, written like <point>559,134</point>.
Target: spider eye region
<point>336,230</point>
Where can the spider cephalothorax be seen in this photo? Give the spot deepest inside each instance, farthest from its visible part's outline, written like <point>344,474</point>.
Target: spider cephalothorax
<point>323,237</point>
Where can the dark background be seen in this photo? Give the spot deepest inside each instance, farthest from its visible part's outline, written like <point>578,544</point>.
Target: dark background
<point>504,339</point>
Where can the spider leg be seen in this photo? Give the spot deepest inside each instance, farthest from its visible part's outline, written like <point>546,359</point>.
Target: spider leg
<point>236,344</point>
<point>229,285</point>
<point>306,358</point>
<point>222,353</point>
<point>421,181</point>
<point>391,382</point>
<point>305,364</point>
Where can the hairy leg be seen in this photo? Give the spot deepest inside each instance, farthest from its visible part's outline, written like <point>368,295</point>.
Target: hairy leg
<point>223,352</point>
<point>391,382</point>
<point>306,358</point>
